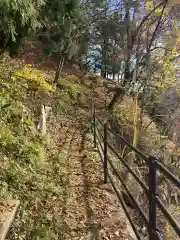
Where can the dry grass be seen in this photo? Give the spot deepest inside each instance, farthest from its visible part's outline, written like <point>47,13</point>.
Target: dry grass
<point>151,141</point>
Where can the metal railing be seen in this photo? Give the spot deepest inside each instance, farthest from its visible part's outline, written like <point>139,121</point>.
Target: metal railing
<point>101,141</point>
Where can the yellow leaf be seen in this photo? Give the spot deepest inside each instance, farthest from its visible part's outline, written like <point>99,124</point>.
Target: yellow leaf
<point>158,84</point>
<point>149,5</point>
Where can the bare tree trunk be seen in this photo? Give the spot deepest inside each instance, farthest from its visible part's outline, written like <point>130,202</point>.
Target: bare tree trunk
<point>120,92</point>
<point>113,72</point>
<point>113,76</point>
<point>59,69</point>
<point>104,48</point>
<point>129,43</point>
<point>105,73</point>
<point>104,56</point>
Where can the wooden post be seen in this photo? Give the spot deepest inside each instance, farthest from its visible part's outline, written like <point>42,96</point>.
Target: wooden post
<point>152,201</point>
<point>94,127</point>
<point>105,153</point>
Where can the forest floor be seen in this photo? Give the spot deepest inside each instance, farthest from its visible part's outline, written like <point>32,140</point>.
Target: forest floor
<point>84,210</point>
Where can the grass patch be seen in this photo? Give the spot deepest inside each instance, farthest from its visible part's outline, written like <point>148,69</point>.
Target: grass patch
<point>71,84</point>
<point>41,190</point>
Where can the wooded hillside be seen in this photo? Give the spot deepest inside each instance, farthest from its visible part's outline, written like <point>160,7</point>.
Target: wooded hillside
<point>58,61</point>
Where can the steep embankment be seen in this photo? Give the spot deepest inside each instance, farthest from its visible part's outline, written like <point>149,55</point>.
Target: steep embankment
<point>140,130</point>
<point>57,176</point>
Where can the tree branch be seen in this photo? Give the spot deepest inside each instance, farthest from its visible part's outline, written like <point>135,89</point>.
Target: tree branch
<point>148,15</point>
<point>157,26</point>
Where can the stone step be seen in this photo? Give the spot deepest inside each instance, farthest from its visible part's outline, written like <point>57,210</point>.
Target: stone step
<point>8,211</point>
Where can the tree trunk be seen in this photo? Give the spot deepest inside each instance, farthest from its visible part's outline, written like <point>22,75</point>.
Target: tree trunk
<point>84,67</point>
<point>127,71</point>
<point>129,43</point>
<point>59,69</point>
<point>103,64</point>
<point>119,94</point>
<point>104,48</point>
<point>113,75</point>
<point>103,72</point>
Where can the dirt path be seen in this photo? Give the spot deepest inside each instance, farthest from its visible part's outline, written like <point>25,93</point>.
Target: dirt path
<point>86,210</point>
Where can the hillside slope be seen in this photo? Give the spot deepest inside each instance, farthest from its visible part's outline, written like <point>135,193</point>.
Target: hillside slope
<point>57,176</point>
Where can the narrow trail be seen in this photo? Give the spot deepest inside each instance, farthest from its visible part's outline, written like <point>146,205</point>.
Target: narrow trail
<point>86,211</point>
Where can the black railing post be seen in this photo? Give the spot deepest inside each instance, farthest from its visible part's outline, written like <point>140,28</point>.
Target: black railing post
<point>152,195</point>
<point>94,127</point>
<point>105,153</point>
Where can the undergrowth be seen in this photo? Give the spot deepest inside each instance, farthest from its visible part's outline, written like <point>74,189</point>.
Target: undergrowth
<point>33,75</point>
<point>31,170</point>
<point>149,140</point>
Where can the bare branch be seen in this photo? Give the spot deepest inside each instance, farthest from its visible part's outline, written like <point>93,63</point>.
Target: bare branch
<point>148,15</point>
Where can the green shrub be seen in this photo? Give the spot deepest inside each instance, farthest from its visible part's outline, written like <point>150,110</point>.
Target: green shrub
<point>64,103</point>
<point>28,152</point>
<point>71,86</point>
<point>8,142</point>
<point>12,110</point>
<point>70,78</point>
<point>22,149</point>
<point>42,234</point>
<point>27,125</point>
<point>34,76</point>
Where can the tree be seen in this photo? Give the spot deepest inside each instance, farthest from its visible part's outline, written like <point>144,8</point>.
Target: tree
<point>64,30</point>
<point>99,38</point>
<point>18,19</point>
<point>140,37</point>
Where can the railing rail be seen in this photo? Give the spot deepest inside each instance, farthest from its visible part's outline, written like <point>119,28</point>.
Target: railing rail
<point>154,164</point>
